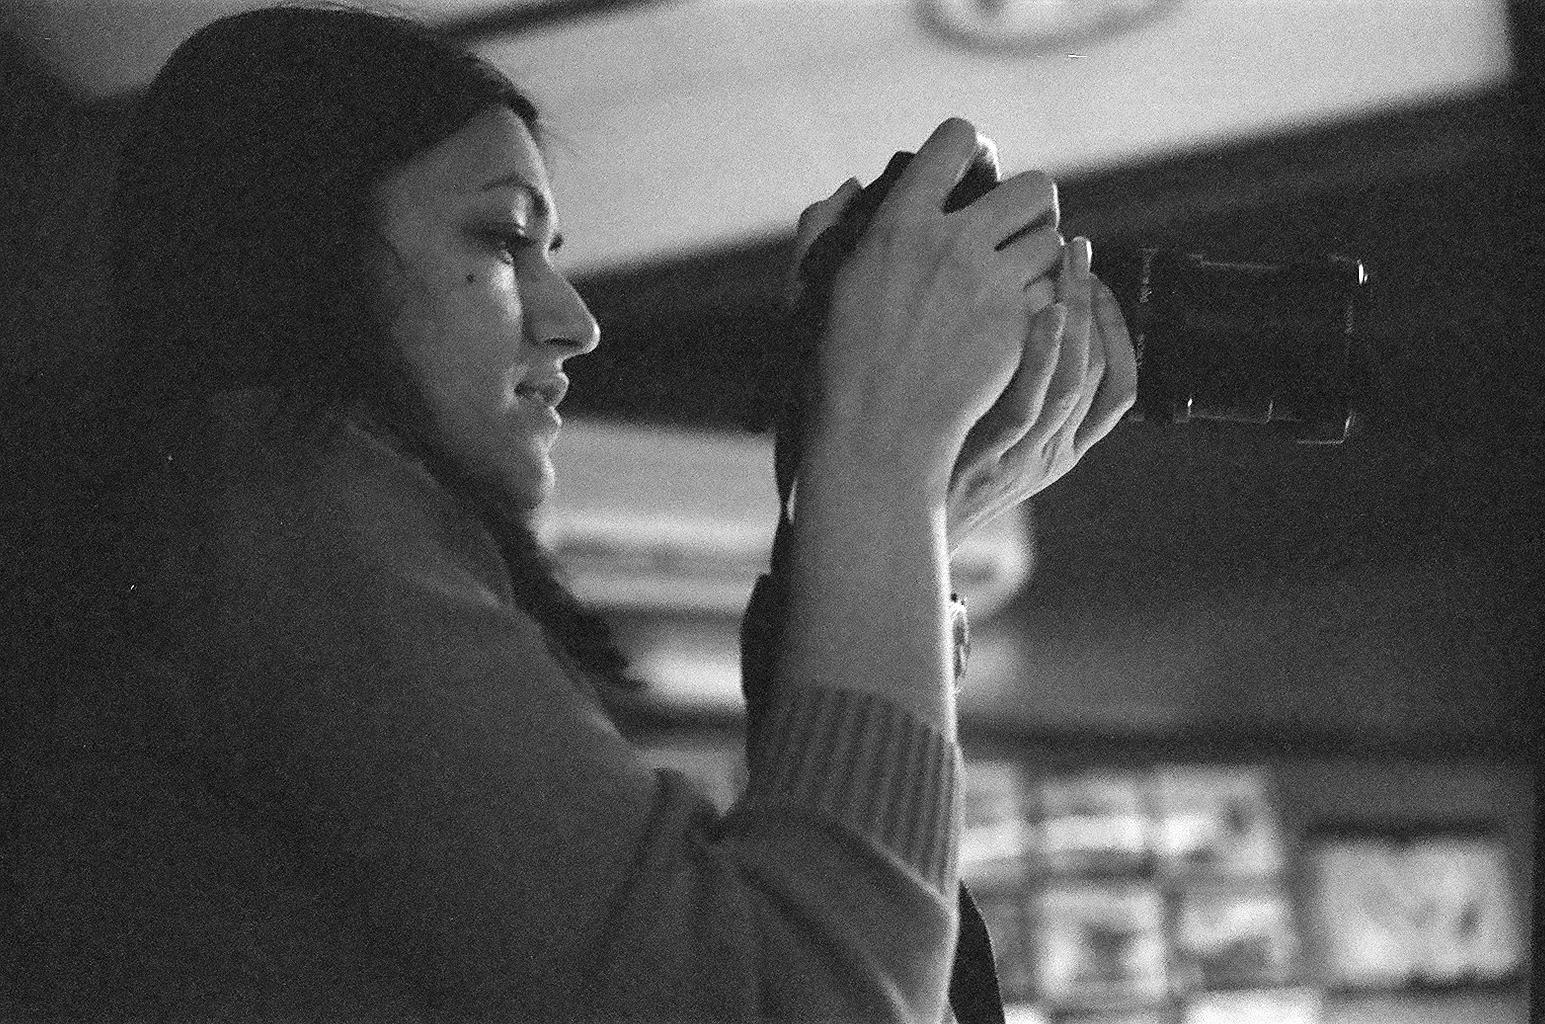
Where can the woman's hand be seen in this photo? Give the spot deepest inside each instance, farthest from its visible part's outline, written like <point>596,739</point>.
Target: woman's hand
<point>930,314</point>
<point>1025,443</point>
<point>1074,381</point>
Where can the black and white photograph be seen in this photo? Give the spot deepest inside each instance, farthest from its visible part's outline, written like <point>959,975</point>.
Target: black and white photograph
<point>1235,936</point>
<point>1216,821</point>
<point>1095,822</point>
<point>1102,945</point>
<point>819,511</point>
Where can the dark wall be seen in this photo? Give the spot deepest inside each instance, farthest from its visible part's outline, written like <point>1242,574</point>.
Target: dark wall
<point>55,166</point>
<point>1387,588</point>
<point>1207,582</point>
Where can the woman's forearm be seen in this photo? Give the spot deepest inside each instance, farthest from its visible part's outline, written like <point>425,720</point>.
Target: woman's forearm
<point>870,581</point>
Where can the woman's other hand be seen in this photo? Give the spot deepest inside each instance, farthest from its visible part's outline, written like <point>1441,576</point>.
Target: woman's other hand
<point>1048,416</point>
<point>1025,442</point>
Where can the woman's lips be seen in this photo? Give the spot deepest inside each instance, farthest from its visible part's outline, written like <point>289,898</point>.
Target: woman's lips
<point>538,416</point>
<point>536,405</point>
<point>547,390</point>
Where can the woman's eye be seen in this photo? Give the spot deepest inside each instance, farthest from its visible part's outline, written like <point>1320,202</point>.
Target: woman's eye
<point>511,243</point>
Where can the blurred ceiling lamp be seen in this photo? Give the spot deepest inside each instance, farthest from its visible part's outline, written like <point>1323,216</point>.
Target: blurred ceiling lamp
<point>1030,27</point>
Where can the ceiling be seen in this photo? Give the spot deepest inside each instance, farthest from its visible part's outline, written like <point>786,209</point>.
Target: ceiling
<point>729,116</point>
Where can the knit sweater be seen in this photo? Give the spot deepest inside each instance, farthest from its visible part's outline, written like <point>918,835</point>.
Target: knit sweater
<point>346,777</point>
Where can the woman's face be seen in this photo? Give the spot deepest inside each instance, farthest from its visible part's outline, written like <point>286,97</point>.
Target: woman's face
<point>474,298</point>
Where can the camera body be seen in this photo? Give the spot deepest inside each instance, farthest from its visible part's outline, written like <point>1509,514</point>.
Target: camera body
<point>1282,346</point>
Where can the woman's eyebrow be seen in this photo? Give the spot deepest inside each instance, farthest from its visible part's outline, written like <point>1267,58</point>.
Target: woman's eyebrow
<point>539,205</point>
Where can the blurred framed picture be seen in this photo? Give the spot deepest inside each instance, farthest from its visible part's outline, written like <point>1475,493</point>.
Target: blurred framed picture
<point>1100,944</point>
<point>1094,822</point>
<point>1435,906</point>
<point>1153,1015</point>
<point>1216,820</point>
<point>1272,1006</point>
<point>1024,1013</point>
<point>1468,911</point>
<point>1239,935</point>
<point>998,841</point>
<point>1359,913</point>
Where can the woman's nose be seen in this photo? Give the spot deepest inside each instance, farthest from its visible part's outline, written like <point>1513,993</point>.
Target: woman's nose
<point>562,319</point>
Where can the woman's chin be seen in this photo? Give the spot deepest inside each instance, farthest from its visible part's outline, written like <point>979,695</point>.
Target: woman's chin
<point>519,468</point>
<point>529,481</point>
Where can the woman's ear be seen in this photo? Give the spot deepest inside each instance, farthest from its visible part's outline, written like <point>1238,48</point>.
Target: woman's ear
<point>391,278</point>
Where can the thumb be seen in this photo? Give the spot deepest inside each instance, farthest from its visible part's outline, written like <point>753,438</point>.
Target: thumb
<point>816,219</point>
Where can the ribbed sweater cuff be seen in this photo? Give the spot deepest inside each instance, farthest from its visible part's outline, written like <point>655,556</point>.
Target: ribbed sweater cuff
<point>861,761</point>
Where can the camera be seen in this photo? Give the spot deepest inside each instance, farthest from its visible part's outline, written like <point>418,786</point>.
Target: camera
<point>1281,346</point>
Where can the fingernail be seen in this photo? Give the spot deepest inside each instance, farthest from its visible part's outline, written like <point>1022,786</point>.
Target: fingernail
<point>987,153</point>
<point>1080,254</point>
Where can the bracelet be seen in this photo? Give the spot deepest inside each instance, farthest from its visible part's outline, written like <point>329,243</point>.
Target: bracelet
<point>960,632</point>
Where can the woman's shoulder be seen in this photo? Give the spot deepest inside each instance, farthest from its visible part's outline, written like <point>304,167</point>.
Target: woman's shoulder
<point>235,443</point>
<point>251,484</point>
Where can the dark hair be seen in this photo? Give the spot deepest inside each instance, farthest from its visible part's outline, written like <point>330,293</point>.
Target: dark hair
<point>243,226</point>
<point>243,201</point>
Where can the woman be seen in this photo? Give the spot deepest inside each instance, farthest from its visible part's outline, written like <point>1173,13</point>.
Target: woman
<point>354,759</point>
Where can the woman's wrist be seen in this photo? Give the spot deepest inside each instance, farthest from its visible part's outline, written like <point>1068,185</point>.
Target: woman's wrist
<point>869,583</point>
<point>882,463</point>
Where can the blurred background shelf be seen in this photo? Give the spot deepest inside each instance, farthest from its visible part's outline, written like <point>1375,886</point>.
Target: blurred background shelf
<point>1502,1006</point>
<point>1304,802</point>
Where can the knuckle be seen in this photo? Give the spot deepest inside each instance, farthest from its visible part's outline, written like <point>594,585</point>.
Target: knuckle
<point>1038,187</point>
<point>899,218</point>
<point>1002,290</point>
<point>959,250</point>
<point>1046,346</point>
<point>1062,403</point>
<point>957,125</point>
<point>1123,389</point>
<point>883,236</point>
<point>1049,240</point>
<point>1039,296</point>
<point>1043,251</point>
